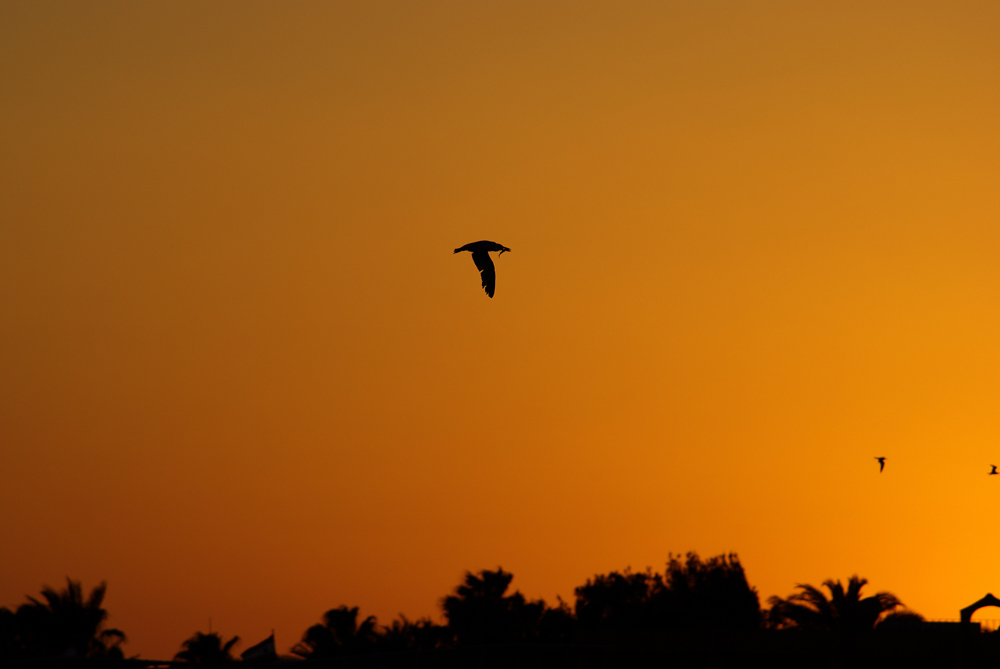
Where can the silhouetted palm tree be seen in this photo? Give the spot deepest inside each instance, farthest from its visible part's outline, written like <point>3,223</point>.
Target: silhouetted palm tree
<point>65,624</point>
<point>206,649</point>
<point>843,611</point>
<point>479,612</point>
<point>339,634</point>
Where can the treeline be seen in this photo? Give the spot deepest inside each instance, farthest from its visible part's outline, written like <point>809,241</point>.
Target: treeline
<point>705,596</point>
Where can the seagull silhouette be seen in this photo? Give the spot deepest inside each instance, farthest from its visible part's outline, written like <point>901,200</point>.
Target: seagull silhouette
<point>994,472</point>
<point>481,256</point>
<point>881,464</point>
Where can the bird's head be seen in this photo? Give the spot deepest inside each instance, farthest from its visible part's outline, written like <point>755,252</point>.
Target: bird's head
<point>504,249</point>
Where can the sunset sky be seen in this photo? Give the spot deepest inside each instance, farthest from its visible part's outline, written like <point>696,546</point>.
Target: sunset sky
<point>243,376</point>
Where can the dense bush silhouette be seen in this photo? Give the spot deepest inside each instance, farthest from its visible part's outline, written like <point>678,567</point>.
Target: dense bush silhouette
<point>557,625</point>
<point>901,621</point>
<point>618,601</point>
<point>61,624</point>
<point>693,594</point>
<point>403,634</point>
<point>206,649</point>
<point>714,593</point>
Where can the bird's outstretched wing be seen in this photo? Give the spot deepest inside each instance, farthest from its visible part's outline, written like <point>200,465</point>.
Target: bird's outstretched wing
<point>488,271</point>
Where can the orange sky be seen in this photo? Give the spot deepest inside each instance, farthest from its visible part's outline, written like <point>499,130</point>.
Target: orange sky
<point>243,376</point>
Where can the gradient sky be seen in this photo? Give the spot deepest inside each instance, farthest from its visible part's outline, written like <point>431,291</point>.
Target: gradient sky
<point>243,376</point>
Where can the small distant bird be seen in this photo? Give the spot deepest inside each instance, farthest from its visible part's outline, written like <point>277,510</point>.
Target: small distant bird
<point>994,472</point>
<point>481,256</point>
<point>881,464</point>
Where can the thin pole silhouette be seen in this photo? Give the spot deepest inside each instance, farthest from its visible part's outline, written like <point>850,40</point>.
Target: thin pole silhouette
<point>481,256</point>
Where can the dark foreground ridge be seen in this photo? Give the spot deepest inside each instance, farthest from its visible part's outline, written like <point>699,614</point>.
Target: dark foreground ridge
<point>774,649</point>
<point>697,613</point>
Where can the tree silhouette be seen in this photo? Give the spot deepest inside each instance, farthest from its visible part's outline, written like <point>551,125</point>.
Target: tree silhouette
<point>404,634</point>
<point>339,634</point>
<point>843,611</point>
<point>693,594</point>
<point>61,624</point>
<point>480,612</point>
<point>206,649</point>
<point>711,594</point>
<point>557,625</point>
<point>617,601</point>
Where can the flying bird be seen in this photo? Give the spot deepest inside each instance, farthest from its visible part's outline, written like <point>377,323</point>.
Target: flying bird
<point>994,472</point>
<point>881,464</point>
<point>481,256</point>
